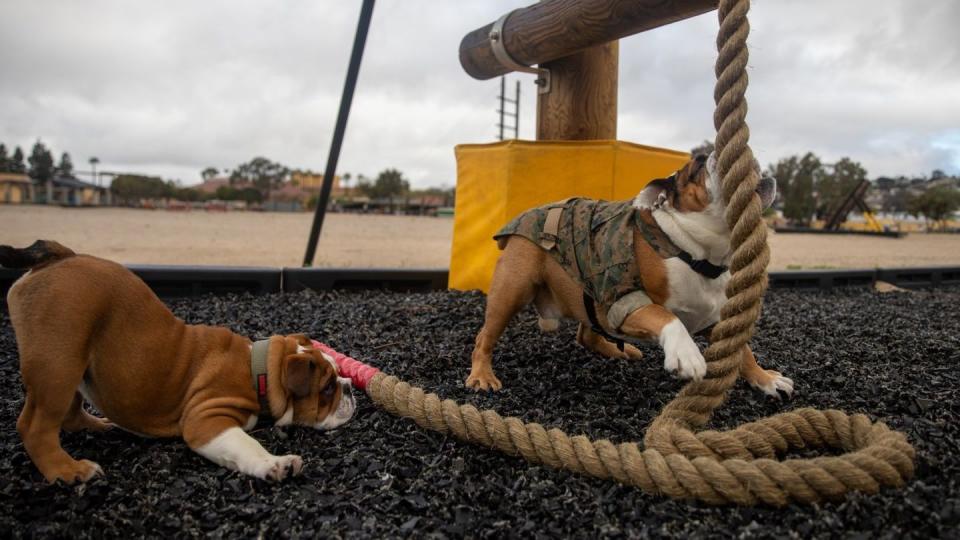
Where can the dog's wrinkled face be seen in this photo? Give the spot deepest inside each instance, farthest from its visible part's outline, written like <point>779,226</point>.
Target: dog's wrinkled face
<point>696,188</point>
<point>321,398</point>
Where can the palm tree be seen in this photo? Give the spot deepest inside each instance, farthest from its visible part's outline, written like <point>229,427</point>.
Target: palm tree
<point>93,163</point>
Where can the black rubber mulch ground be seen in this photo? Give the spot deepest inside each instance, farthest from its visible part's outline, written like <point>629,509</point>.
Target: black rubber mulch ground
<point>891,356</point>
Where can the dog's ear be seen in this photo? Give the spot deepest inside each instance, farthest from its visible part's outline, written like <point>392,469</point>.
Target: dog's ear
<point>301,340</point>
<point>657,193</point>
<point>693,169</point>
<point>298,371</point>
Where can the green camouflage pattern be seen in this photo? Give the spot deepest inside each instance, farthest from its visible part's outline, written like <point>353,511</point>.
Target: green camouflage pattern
<point>594,244</point>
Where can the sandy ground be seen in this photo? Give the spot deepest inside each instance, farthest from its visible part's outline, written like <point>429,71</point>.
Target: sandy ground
<point>355,241</point>
<point>233,238</point>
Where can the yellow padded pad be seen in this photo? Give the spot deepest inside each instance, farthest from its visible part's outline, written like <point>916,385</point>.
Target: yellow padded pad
<point>497,181</point>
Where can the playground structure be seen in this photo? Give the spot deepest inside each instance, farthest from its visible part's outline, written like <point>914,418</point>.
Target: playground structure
<point>838,215</point>
<point>853,199</point>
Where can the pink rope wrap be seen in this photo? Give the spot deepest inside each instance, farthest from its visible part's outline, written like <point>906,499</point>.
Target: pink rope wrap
<point>355,370</point>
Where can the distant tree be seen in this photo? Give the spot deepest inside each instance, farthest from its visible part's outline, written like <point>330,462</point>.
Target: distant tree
<point>132,187</point>
<point>833,186</point>
<point>262,173</point>
<point>363,185</point>
<point>251,195</point>
<point>230,193</point>
<point>5,161</point>
<point>16,162</point>
<point>41,163</point>
<point>703,148</point>
<point>935,204</point>
<point>799,203</point>
<point>209,173</point>
<point>188,194</point>
<point>389,183</point>
<point>65,168</point>
<point>784,171</point>
<point>94,161</point>
<point>345,180</point>
<point>937,174</point>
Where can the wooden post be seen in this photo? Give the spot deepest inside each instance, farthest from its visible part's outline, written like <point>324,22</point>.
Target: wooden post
<point>582,101</point>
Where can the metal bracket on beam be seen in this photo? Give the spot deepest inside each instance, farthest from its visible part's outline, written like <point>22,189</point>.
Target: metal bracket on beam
<point>500,51</point>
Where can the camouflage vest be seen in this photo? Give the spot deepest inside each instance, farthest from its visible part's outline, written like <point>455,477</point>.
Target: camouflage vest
<point>594,245</point>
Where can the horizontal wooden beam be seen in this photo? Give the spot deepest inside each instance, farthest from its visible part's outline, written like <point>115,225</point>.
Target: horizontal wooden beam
<point>553,29</point>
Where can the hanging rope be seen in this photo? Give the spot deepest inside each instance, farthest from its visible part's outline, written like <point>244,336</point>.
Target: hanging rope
<point>719,467</point>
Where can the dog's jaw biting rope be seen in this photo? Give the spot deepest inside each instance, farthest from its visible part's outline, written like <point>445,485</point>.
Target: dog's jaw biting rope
<point>718,467</point>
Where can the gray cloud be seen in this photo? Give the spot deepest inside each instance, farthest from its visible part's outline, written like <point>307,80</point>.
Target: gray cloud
<point>169,88</point>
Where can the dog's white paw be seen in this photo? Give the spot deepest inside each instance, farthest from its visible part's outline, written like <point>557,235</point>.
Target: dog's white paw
<point>681,354</point>
<point>774,384</point>
<point>276,468</point>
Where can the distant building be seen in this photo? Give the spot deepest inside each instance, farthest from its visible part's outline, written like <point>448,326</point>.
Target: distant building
<point>15,188</point>
<point>310,181</point>
<point>287,198</point>
<point>70,191</point>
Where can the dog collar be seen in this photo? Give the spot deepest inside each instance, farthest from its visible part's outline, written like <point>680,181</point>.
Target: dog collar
<point>258,367</point>
<point>702,266</point>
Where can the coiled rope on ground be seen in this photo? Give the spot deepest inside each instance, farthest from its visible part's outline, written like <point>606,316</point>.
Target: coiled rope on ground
<point>737,466</point>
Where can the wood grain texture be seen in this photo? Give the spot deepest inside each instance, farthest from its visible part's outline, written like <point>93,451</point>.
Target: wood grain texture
<point>554,29</point>
<point>582,102</point>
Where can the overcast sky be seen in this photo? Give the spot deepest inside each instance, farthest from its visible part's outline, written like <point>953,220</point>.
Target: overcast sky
<point>171,87</point>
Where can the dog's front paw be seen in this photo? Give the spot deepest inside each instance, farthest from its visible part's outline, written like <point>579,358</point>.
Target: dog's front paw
<point>276,468</point>
<point>681,355</point>
<point>773,383</point>
<point>483,379</point>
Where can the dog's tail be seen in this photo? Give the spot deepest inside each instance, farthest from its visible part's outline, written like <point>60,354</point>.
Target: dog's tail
<point>40,253</point>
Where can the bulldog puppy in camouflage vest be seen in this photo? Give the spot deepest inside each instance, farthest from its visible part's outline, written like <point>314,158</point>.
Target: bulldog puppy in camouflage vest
<point>650,268</point>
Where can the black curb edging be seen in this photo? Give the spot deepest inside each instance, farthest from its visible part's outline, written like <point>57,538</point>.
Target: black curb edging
<point>400,280</point>
<point>179,281</point>
<point>173,281</point>
<point>808,230</point>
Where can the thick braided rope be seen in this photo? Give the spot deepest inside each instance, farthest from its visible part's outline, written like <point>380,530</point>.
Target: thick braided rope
<point>739,178</point>
<point>718,467</point>
<point>876,455</point>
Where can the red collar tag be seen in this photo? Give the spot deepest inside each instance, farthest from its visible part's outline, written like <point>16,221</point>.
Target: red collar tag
<point>262,384</point>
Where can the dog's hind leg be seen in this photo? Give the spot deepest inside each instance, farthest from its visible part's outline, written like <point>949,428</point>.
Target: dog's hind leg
<point>51,396</point>
<point>46,406</point>
<point>768,381</point>
<point>598,344</point>
<point>514,285</point>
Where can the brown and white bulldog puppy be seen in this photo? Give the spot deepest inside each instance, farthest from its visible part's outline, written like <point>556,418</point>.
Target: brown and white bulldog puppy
<point>685,210</point>
<point>89,329</point>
